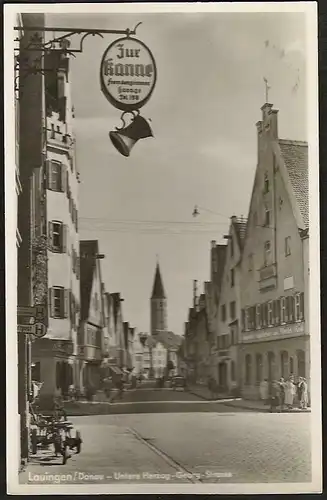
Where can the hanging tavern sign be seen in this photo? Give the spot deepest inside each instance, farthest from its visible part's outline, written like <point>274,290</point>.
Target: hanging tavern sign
<point>128,74</point>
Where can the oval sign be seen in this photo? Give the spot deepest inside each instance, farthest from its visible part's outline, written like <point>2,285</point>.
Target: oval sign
<point>128,74</point>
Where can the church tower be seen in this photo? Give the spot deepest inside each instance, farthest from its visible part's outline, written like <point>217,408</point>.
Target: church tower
<point>158,304</point>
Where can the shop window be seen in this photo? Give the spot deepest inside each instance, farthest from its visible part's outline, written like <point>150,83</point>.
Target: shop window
<point>57,236</point>
<point>271,366</point>
<point>300,363</point>
<point>284,364</point>
<point>258,371</point>
<point>248,368</point>
<point>291,366</point>
<point>287,246</point>
<point>232,371</point>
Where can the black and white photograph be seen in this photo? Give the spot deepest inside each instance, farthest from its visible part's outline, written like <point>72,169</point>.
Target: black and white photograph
<point>162,243</point>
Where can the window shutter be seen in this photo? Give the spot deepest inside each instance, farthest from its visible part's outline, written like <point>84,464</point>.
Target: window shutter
<point>65,303</point>
<point>63,177</point>
<point>64,232</point>
<point>51,303</point>
<point>50,234</point>
<point>301,306</point>
<point>48,174</point>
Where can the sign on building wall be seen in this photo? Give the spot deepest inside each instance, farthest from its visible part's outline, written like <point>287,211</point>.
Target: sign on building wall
<point>128,74</point>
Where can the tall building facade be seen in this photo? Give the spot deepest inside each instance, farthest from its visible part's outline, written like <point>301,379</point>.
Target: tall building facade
<point>56,230</point>
<point>275,338</point>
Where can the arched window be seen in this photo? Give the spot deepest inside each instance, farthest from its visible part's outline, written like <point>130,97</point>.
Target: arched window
<point>248,367</point>
<point>271,366</point>
<point>284,364</point>
<point>232,371</point>
<point>258,366</point>
<point>291,366</point>
<point>300,363</point>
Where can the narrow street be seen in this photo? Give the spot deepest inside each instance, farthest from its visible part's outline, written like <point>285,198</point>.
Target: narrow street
<point>180,438</point>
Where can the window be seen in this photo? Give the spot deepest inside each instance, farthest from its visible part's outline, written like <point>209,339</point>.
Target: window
<point>299,306</point>
<point>267,217</point>
<point>266,183</point>
<point>267,253</point>
<point>287,246</point>
<point>250,262</point>
<point>232,310</point>
<point>276,312</point>
<point>270,313</point>
<point>250,318</point>
<point>232,278</point>
<point>243,320</point>
<point>258,316</point>
<point>36,371</point>
<point>258,366</point>
<point>248,368</point>
<point>59,302</point>
<point>264,314</point>
<point>282,311</point>
<point>223,312</point>
<point>289,309</point>
<point>56,176</point>
<point>57,236</point>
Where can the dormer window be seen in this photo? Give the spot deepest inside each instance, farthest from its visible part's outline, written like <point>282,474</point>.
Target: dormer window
<point>266,183</point>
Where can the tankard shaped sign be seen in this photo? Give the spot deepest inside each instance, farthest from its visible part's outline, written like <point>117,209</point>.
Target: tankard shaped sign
<point>128,76</point>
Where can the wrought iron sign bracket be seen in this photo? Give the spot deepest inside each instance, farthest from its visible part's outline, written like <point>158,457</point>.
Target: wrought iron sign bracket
<point>62,44</point>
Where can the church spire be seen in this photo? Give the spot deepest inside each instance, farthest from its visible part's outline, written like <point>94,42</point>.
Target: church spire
<point>158,291</point>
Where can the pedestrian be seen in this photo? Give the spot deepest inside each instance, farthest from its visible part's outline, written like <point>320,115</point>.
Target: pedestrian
<point>282,393</point>
<point>264,389</point>
<point>274,396</point>
<point>289,393</point>
<point>304,394</point>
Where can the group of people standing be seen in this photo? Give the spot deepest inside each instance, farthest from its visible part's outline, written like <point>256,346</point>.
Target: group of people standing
<point>282,394</point>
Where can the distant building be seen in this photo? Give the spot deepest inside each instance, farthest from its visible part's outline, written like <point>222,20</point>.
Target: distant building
<point>228,314</point>
<point>275,267</point>
<point>158,304</point>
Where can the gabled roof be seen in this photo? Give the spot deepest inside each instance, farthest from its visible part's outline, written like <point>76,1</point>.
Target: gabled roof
<point>88,252</point>
<point>295,156</point>
<point>158,291</point>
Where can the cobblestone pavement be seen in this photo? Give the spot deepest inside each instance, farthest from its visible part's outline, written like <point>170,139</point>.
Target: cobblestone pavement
<point>243,447</point>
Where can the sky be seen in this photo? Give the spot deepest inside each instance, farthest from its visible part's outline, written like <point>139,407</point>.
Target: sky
<point>203,113</point>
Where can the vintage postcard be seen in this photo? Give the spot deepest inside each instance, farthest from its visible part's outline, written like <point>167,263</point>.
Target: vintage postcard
<point>162,227</point>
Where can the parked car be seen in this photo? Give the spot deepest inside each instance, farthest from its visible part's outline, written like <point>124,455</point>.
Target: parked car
<point>178,381</point>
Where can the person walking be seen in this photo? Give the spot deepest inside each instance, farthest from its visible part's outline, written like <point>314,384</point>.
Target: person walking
<point>274,396</point>
<point>304,394</point>
<point>289,393</point>
<point>282,393</point>
<point>264,390</point>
